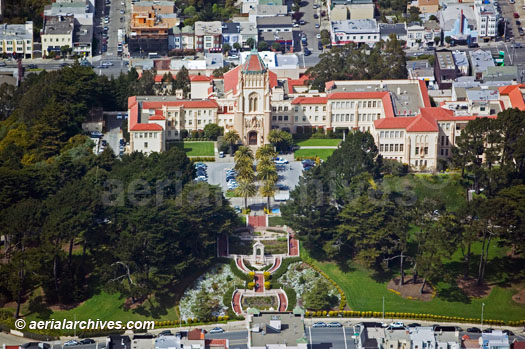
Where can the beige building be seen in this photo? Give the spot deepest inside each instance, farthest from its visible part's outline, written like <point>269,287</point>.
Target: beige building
<point>57,33</point>
<point>252,100</point>
<point>17,39</point>
<point>352,11</point>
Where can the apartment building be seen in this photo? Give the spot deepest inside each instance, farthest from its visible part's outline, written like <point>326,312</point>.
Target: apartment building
<point>487,19</point>
<point>148,32</point>
<point>360,31</point>
<point>16,40</point>
<point>182,39</point>
<point>57,33</point>
<point>208,36</point>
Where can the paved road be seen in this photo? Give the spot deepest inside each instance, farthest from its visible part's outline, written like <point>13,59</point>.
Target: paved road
<point>311,32</point>
<point>113,131</point>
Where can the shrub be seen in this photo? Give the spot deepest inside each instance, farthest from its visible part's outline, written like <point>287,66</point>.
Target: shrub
<point>267,285</point>
<point>292,298</point>
<point>251,285</point>
<point>239,273</point>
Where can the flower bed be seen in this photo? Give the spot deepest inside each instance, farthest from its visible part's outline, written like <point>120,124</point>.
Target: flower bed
<point>302,278</point>
<point>216,281</point>
<point>261,303</point>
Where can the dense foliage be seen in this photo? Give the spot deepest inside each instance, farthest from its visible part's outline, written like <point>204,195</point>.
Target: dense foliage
<point>342,211</point>
<point>386,60</point>
<point>75,222</point>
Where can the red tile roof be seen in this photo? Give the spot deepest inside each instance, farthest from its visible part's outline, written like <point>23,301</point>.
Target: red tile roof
<point>273,79</point>
<point>253,63</point>
<point>199,78</point>
<point>515,95</point>
<point>157,117</point>
<point>423,124</point>
<point>390,123</point>
<point>216,343</point>
<point>158,78</point>
<point>310,100</point>
<point>182,103</point>
<point>231,78</point>
<point>424,94</point>
<point>147,127</point>
<point>196,334</point>
<point>302,81</point>
<point>133,107</point>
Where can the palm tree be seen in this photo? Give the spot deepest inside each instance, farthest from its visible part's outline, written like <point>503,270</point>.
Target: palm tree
<point>266,151</point>
<point>246,189</point>
<point>275,137</point>
<point>267,190</point>
<point>231,138</point>
<point>244,153</point>
<point>267,171</point>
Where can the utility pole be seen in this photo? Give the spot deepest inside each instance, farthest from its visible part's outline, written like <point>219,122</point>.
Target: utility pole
<point>383,308</point>
<point>482,308</point>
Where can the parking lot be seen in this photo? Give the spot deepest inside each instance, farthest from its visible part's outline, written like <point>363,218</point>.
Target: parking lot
<point>288,179</point>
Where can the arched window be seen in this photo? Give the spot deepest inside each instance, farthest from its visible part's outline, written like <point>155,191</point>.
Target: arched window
<point>252,102</point>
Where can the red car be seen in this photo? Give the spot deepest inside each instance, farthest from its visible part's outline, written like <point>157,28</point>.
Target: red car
<point>516,15</point>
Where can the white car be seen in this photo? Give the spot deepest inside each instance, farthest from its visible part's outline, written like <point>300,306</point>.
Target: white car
<point>71,343</point>
<point>397,324</point>
<point>217,330</point>
<point>280,161</point>
<point>107,64</point>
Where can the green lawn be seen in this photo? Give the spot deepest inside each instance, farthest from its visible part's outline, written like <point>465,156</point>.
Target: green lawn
<point>107,307</point>
<point>322,153</point>
<point>274,221</point>
<point>195,148</point>
<point>445,187</point>
<point>318,142</point>
<point>365,290</point>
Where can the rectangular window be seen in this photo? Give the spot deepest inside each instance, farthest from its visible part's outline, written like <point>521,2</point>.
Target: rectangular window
<point>391,147</point>
<point>396,147</point>
<point>397,134</point>
<point>296,118</point>
<point>426,150</point>
<point>280,118</point>
<point>381,147</point>
<point>442,152</point>
<point>401,147</point>
<point>417,151</point>
<point>447,140</point>
<point>351,104</point>
<point>285,118</point>
<point>296,109</point>
<point>324,108</point>
<point>280,108</point>
<point>274,118</point>
<point>145,144</point>
<point>446,152</point>
<point>382,134</point>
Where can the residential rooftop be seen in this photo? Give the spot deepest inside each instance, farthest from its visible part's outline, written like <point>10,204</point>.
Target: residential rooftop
<point>18,31</point>
<point>208,28</point>
<point>58,25</point>
<point>355,26</point>
<point>272,22</point>
<point>276,328</point>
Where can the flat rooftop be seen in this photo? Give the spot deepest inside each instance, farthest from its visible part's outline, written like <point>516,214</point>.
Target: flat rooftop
<point>57,25</point>
<point>405,96</point>
<point>292,329</point>
<point>18,31</point>
<point>355,26</point>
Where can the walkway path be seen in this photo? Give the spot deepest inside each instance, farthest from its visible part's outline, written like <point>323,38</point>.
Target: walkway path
<point>259,282</point>
<point>240,265</point>
<point>275,265</point>
<point>257,221</point>
<point>294,246</point>
<point>282,301</point>
<point>237,302</point>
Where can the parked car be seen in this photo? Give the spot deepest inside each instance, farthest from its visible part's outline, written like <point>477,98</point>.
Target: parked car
<point>302,22</point>
<point>221,154</point>
<point>279,160</point>
<point>104,142</point>
<point>319,45</point>
<point>317,25</point>
<point>319,324</point>
<point>516,45</point>
<point>2,64</point>
<point>508,332</point>
<point>334,324</point>
<point>397,324</point>
<point>237,209</point>
<point>71,343</point>
<point>473,330</point>
<point>316,15</point>
<point>414,324</point>
<point>318,36</point>
<point>516,15</point>
<point>307,52</point>
<point>87,341</point>
<point>200,164</point>
<point>32,66</point>
<point>488,330</point>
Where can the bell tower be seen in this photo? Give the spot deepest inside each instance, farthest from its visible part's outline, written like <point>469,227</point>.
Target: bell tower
<point>252,117</point>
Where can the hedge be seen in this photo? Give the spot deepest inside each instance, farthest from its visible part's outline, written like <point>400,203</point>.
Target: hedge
<point>292,298</point>
<point>202,158</point>
<point>283,268</point>
<point>301,158</point>
<point>198,139</point>
<point>227,299</point>
<point>415,316</point>
<point>99,333</point>
<point>342,301</point>
<point>238,273</point>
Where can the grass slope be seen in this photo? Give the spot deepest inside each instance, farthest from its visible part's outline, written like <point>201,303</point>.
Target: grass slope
<point>322,153</point>
<point>318,142</point>
<point>107,307</point>
<point>365,290</point>
<point>196,148</point>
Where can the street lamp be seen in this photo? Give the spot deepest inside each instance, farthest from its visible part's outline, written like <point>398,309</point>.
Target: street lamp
<point>482,308</point>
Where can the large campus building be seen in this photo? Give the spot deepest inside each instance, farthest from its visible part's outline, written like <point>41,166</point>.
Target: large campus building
<point>252,100</point>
